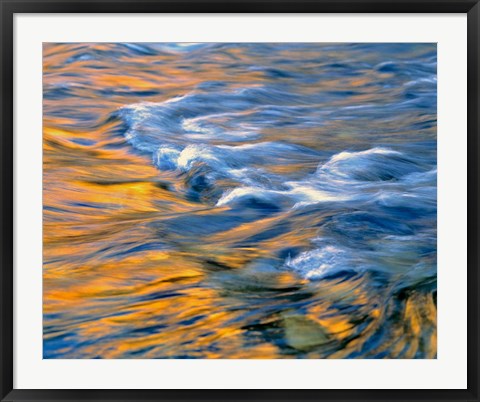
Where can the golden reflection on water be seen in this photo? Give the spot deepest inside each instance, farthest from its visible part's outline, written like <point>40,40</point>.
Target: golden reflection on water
<point>105,297</point>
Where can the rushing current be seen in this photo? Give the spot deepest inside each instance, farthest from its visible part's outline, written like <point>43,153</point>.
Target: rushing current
<point>227,200</point>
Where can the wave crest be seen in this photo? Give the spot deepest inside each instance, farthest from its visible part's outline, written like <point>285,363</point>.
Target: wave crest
<point>375,164</point>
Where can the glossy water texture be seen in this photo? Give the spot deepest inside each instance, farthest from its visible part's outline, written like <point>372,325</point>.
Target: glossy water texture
<point>240,200</point>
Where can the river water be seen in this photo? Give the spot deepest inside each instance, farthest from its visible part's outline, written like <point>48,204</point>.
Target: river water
<point>239,200</point>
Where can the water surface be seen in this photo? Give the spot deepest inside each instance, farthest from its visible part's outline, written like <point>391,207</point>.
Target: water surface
<point>239,200</point>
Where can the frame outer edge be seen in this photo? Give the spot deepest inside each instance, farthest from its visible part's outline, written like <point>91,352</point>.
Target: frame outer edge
<point>6,200</point>
<point>473,179</point>
<point>7,10</point>
<point>242,6</point>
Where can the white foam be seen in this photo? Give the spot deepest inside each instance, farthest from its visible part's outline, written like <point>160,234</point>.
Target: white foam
<point>345,155</point>
<point>315,264</point>
<point>300,194</point>
<point>166,158</point>
<point>237,193</point>
<point>306,194</point>
<point>196,153</point>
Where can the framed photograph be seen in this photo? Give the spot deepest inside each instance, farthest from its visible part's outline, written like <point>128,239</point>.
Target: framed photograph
<point>239,200</point>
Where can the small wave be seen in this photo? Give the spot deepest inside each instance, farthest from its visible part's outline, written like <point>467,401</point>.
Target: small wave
<point>422,81</point>
<point>376,164</point>
<point>227,161</point>
<point>296,194</point>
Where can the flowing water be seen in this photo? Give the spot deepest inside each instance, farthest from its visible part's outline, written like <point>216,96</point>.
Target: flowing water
<point>239,200</point>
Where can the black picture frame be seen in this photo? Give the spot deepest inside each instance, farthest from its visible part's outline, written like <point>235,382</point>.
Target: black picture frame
<point>9,8</point>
